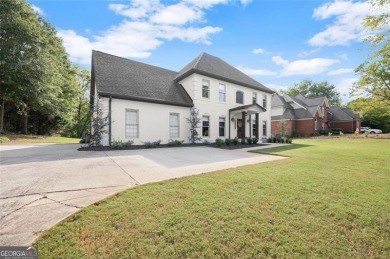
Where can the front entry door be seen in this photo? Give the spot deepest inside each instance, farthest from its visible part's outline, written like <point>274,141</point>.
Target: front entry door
<point>240,130</point>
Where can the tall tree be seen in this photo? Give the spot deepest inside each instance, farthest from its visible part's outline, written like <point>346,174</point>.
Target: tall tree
<point>36,76</point>
<point>375,71</point>
<point>308,88</point>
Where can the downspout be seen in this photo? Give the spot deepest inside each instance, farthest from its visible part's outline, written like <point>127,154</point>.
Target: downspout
<point>109,121</point>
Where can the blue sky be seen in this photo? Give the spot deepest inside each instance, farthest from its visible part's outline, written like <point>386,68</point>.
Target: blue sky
<point>278,43</point>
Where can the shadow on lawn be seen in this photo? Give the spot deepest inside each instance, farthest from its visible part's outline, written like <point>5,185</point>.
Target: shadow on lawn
<point>275,150</point>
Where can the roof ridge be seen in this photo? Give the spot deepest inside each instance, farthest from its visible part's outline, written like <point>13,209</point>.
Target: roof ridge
<point>199,58</point>
<point>132,60</point>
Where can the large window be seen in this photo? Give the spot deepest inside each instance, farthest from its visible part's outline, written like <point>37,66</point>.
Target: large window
<point>205,126</point>
<point>205,88</point>
<point>174,125</point>
<point>131,124</point>
<point>222,126</point>
<point>315,124</point>
<point>222,92</point>
<point>254,97</point>
<point>254,128</point>
<point>264,128</point>
<point>239,97</point>
<point>265,101</point>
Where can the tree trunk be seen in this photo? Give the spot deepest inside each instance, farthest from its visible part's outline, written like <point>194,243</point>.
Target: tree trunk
<point>78,133</point>
<point>2,116</point>
<point>24,122</point>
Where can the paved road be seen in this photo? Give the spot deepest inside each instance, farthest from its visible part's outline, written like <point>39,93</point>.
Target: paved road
<point>42,184</point>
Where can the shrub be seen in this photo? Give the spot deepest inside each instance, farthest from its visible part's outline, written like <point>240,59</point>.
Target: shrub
<point>235,141</point>
<point>269,140</point>
<point>249,140</point>
<point>341,133</point>
<point>274,140</point>
<point>4,139</point>
<point>255,140</point>
<point>289,141</point>
<point>228,142</point>
<point>219,142</point>
<point>294,133</point>
<point>172,142</point>
<point>243,141</point>
<point>118,144</point>
<point>149,144</point>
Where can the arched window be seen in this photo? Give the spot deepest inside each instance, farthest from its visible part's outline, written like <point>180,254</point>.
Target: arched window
<point>240,97</point>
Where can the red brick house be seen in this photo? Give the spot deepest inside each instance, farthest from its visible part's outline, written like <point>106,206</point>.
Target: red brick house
<point>303,116</point>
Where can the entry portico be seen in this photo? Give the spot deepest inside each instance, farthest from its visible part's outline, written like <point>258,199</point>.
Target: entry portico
<point>241,116</point>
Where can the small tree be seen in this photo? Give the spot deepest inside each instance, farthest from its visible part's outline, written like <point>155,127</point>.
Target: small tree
<point>194,121</point>
<point>99,125</point>
<point>282,128</point>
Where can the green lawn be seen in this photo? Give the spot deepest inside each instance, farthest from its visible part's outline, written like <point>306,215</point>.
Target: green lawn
<point>22,139</point>
<point>331,199</point>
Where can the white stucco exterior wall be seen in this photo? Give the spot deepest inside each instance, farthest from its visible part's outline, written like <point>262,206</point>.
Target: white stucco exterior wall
<point>214,108</point>
<point>153,121</point>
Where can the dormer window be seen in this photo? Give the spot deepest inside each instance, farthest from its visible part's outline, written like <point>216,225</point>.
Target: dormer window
<point>206,88</point>
<point>240,97</point>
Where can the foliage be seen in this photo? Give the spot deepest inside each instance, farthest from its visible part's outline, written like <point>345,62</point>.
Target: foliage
<point>243,141</point>
<point>194,121</point>
<point>249,140</point>
<point>375,113</point>
<point>119,144</point>
<point>228,142</point>
<point>219,142</point>
<point>38,86</point>
<point>99,125</point>
<point>282,128</point>
<point>150,144</point>
<point>18,138</point>
<point>4,139</point>
<point>235,141</point>
<point>294,133</point>
<point>308,88</point>
<point>175,142</point>
<point>270,210</point>
<point>255,140</point>
<point>375,71</point>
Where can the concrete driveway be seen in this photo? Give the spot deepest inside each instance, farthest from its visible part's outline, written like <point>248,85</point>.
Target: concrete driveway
<point>41,184</point>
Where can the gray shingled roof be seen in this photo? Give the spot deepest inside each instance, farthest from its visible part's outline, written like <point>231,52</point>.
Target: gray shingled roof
<point>122,78</point>
<point>208,65</point>
<point>337,114</point>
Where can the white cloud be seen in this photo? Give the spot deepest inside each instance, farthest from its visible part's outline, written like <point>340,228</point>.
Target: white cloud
<point>37,9</point>
<point>304,66</point>
<point>344,56</point>
<point>177,14</point>
<point>347,25</point>
<point>308,53</point>
<point>258,51</point>
<point>245,2</point>
<point>255,71</point>
<point>340,71</point>
<point>146,26</point>
<point>277,87</point>
<point>344,87</point>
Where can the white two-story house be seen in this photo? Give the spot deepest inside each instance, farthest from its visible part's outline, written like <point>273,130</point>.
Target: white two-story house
<point>149,103</point>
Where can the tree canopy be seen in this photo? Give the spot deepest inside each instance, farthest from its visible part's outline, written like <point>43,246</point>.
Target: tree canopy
<point>375,71</point>
<point>37,80</point>
<point>308,88</point>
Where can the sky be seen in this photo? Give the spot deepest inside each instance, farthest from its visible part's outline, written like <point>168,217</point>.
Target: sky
<point>277,42</point>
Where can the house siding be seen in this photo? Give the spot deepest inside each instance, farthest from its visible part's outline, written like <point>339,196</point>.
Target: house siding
<point>213,108</point>
<point>346,126</point>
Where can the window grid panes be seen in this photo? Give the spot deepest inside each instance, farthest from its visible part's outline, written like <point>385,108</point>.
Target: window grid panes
<point>222,92</point>
<point>205,126</point>
<point>205,88</point>
<point>254,97</point>
<point>221,126</point>
<point>239,97</point>
<point>131,124</point>
<point>264,128</point>
<point>265,101</point>
<point>174,125</point>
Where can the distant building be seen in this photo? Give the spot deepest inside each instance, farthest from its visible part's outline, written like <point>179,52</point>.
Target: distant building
<point>307,116</point>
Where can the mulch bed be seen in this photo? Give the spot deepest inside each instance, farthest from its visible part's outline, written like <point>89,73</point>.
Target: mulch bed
<point>136,147</point>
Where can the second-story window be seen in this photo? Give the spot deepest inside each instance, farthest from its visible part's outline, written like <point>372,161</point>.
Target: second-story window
<point>222,92</point>
<point>206,88</point>
<point>254,97</point>
<point>240,97</point>
<point>265,101</point>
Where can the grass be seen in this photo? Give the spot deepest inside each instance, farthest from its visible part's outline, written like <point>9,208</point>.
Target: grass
<point>329,200</point>
<point>25,139</point>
